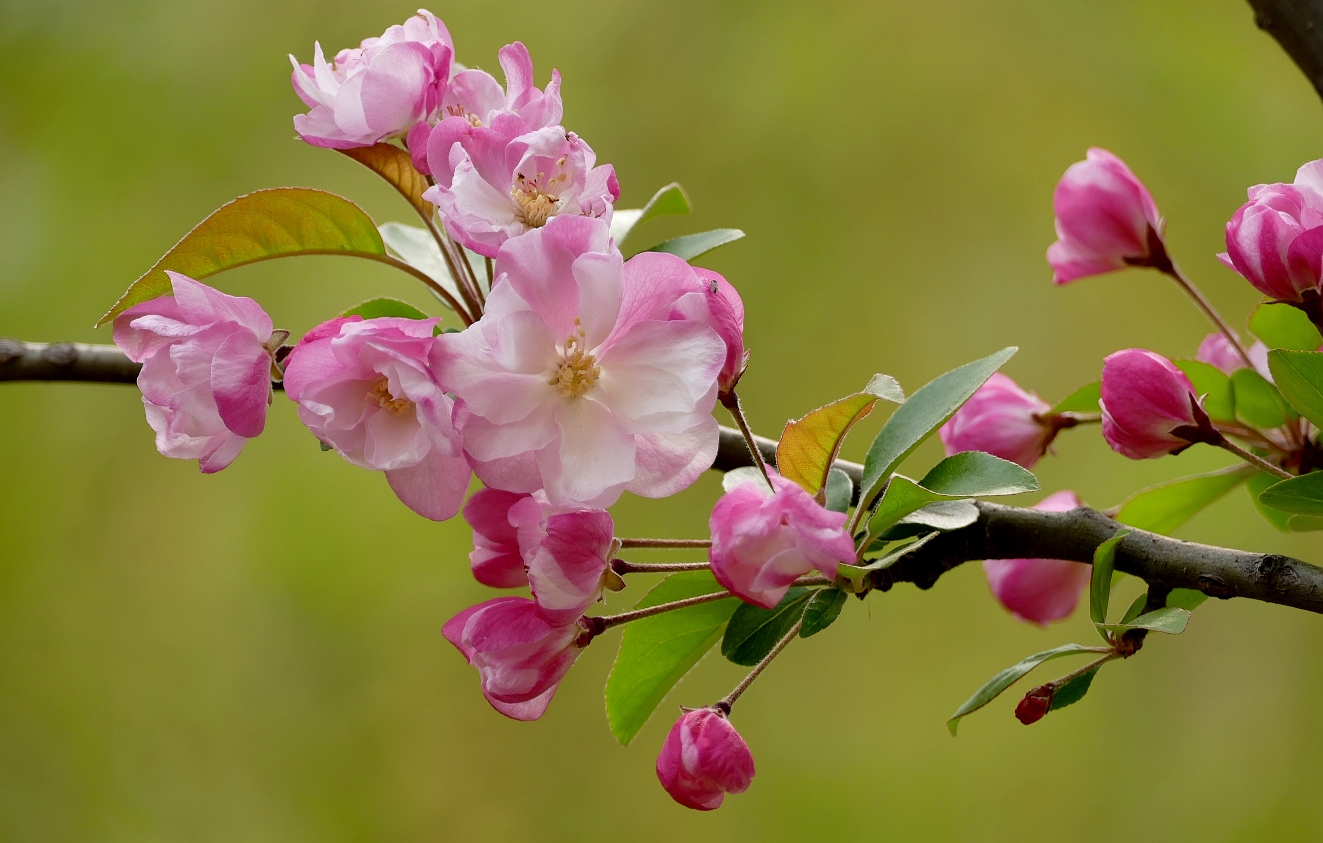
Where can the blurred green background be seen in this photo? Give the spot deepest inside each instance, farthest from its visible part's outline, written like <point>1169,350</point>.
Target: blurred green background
<point>256,655</point>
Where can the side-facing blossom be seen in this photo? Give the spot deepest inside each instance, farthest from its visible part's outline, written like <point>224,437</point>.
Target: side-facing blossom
<point>723,309</point>
<point>1040,591</point>
<point>207,368</point>
<point>703,759</point>
<point>496,560</point>
<point>381,88</point>
<point>1275,240</point>
<point>365,388</point>
<point>1217,350</point>
<point>583,377</point>
<point>520,657</point>
<point>500,181</point>
<point>763,540</point>
<point>1105,218</point>
<point>1003,420</point>
<point>568,554</point>
<point>1149,406</point>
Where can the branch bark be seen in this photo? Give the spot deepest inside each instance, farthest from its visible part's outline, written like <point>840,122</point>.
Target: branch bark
<point>1001,532</point>
<point>1298,27</point>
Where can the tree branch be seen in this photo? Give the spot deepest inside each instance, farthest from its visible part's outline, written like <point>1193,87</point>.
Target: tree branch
<point>1298,27</point>
<point>1001,532</point>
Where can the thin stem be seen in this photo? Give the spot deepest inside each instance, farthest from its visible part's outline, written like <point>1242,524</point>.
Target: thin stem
<point>431,283</point>
<point>490,275</point>
<point>1207,307</point>
<point>607,621</point>
<point>665,542</point>
<point>622,567</point>
<point>1254,460</point>
<point>1096,663</point>
<point>726,702</point>
<point>464,281</point>
<point>731,401</point>
<point>807,581</point>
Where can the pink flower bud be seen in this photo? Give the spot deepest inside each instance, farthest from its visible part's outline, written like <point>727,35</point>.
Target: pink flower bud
<point>496,560</point>
<point>1217,350</point>
<point>1003,420</point>
<point>762,541</point>
<point>727,311</point>
<point>1034,705</point>
<point>381,88</point>
<point>1106,220</point>
<point>1275,241</point>
<point>703,759</point>
<point>1149,407</point>
<point>365,388</point>
<point>568,565</point>
<point>207,367</point>
<point>1040,591</point>
<point>520,658</point>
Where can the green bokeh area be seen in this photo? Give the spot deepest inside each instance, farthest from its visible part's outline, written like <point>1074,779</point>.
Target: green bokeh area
<point>257,655</point>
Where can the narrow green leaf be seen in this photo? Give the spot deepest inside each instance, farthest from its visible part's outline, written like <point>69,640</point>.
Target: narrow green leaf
<point>1283,326</point>
<point>1299,375</point>
<point>1008,677</point>
<point>753,631</point>
<point>976,474</point>
<point>1100,585</point>
<point>670,200</point>
<point>1169,621</point>
<point>1185,598</point>
<point>840,490</point>
<point>656,652</point>
<point>1136,608</point>
<point>1083,400</point>
<point>1165,507</point>
<point>822,610</point>
<point>942,515</point>
<point>1302,495</point>
<point>1215,387</point>
<point>902,496</point>
<point>1074,690</point>
<point>690,246</point>
<point>1256,486</point>
<point>1258,402</point>
<point>281,222</point>
<point>377,308</point>
<point>925,411</point>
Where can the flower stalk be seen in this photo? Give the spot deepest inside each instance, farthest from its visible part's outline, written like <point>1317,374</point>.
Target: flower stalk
<point>728,701</point>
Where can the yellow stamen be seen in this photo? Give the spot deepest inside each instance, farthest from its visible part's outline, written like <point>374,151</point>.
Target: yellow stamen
<point>380,393</point>
<point>578,370</point>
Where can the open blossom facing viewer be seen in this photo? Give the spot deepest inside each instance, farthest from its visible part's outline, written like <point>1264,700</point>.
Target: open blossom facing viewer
<point>1040,591</point>
<point>520,657</point>
<point>703,759</point>
<point>364,387</point>
<point>1149,406</point>
<point>207,368</point>
<point>762,541</point>
<point>381,88</point>
<point>1105,220</point>
<point>1003,420</point>
<point>583,378</point>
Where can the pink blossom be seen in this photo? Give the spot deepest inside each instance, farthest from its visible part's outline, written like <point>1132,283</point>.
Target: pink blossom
<point>1040,591</point>
<point>365,388</point>
<point>762,541</point>
<point>379,89</point>
<point>583,377</point>
<point>724,311</point>
<point>1003,420</point>
<point>496,559</point>
<point>207,369</point>
<point>568,560</point>
<point>500,181</point>
<point>1275,240</point>
<point>1149,406</point>
<point>703,759</point>
<point>1217,350</point>
<point>1105,220</point>
<point>520,658</point>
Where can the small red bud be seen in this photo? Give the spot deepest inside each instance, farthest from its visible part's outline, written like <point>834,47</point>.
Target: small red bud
<point>1034,705</point>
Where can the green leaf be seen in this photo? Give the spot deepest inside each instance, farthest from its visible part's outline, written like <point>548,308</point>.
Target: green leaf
<point>1258,402</point>
<point>1215,387</point>
<point>1256,486</point>
<point>925,411</point>
<point>976,474</point>
<point>1100,585</point>
<point>1136,608</point>
<point>1185,598</point>
<point>396,167</point>
<point>885,387</point>
<point>736,476</point>
<point>1299,375</point>
<point>1008,677</point>
<point>809,446</point>
<point>656,652</point>
<point>1283,326</point>
<point>670,200</point>
<point>690,246</point>
<point>902,496</point>
<point>416,247</point>
<point>377,308</point>
<point>1073,691</point>
<point>280,222</point>
<point>1305,523</point>
<point>1083,400</point>
<point>1169,621</point>
<point>943,515</point>
<point>1303,494</point>
<point>840,490</point>
<point>1165,507</point>
<point>822,610</point>
<point>753,631</point>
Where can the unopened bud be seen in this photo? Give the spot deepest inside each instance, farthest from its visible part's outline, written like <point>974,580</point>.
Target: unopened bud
<point>1034,705</point>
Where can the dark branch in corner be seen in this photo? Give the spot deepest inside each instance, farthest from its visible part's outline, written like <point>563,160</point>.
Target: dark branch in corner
<point>1001,532</point>
<point>1298,27</point>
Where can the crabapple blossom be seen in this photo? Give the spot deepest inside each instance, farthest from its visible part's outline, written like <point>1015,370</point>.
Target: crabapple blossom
<point>520,657</point>
<point>364,387</point>
<point>1149,406</point>
<point>1217,350</point>
<point>725,312</point>
<point>1003,420</point>
<point>703,759</point>
<point>568,555</point>
<point>500,181</point>
<point>207,369</point>
<point>495,559</point>
<point>1040,591</point>
<point>1105,220</point>
<point>763,540</point>
<point>583,378</point>
<point>381,88</point>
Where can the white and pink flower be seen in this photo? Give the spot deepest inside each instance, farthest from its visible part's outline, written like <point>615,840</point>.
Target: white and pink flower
<point>703,759</point>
